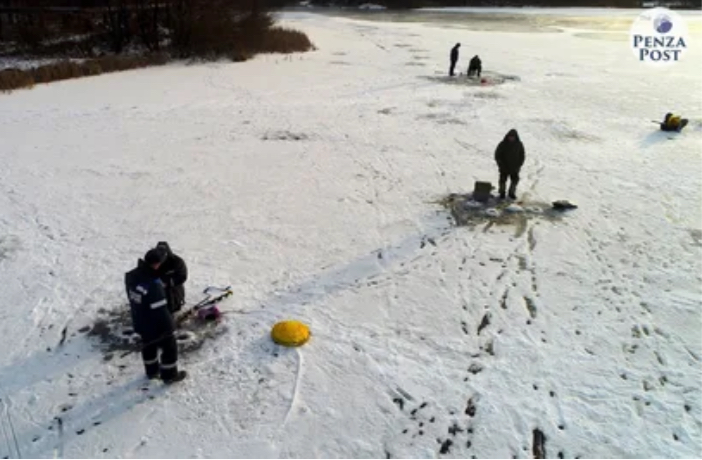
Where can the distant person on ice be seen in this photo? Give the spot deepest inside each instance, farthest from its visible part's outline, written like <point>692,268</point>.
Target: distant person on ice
<point>151,318</point>
<point>475,66</point>
<point>673,123</point>
<point>509,156</point>
<point>454,59</point>
<point>173,272</point>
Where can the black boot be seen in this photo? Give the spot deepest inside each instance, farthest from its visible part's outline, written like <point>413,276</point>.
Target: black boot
<point>513,192</point>
<point>502,186</point>
<point>180,375</point>
<point>152,369</point>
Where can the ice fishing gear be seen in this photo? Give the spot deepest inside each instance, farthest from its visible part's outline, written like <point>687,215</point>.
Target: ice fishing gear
<point>563,205</point>
<point>207,308</point>
<point>672,122</point>
<point>140,346</point>
<point>209,313</point>
<point>481,191</point>
<point>209,300</point>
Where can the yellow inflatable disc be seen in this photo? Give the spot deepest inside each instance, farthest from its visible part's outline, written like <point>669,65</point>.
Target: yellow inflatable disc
<point>290,333</point>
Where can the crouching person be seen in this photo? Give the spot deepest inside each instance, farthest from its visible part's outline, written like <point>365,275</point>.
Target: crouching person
<point>152,320</point>
<point>475,67</point>
<point>673,123</point>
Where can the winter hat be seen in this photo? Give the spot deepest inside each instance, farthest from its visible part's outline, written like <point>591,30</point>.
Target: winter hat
<point>164,246</point>
<point>155,256</point>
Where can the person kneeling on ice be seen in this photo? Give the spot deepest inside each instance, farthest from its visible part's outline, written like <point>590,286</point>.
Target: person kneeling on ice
<point>174,273</point>
<point>509,156</point>
<point>475,67</point>
<point>673,123</point>
<point>151,318</point>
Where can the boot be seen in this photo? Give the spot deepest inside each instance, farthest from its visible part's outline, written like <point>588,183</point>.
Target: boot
<point>180,375</point>
<point>152,369</point>
<point>513,192</point>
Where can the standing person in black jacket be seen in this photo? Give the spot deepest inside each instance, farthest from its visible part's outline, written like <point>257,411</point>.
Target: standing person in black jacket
<point>173,272</point>
<point>454,59</point>
<point>151,318</point>
<point>509,156</point>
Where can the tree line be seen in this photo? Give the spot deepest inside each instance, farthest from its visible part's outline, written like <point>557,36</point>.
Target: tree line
<point>197,27</point>
<point>408,4</point>
<point>187,27</point>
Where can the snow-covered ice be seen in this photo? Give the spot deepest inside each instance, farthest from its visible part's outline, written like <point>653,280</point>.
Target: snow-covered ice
<point>309,183</point>
<point>492,212</point>
<point>371,6</point>
<point>607,13</point>
<point>26,64</point>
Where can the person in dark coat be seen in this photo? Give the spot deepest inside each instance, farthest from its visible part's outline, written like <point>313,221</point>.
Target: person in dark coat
<point>454,59</point>
<point>475,66</point>
<point>509,156</point>
<point>673,123</point>
<point>173,272</point>
<point>151,318</point>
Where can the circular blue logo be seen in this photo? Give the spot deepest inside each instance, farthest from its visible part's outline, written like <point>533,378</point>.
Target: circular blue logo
<point>662,24</point>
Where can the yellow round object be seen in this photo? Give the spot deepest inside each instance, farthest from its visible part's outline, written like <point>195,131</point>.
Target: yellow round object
<point>290,333</point>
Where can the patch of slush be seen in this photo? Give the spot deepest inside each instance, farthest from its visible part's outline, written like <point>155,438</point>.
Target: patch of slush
<point>488,78</point>
<point>470,213</point>
<point>113,333</point>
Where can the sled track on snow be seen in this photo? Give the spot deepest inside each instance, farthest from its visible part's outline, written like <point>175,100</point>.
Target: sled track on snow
<point>9,428</point>
<point>296,387</point>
